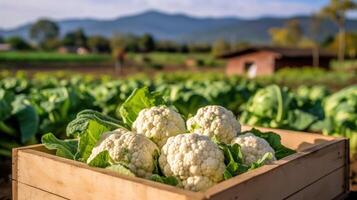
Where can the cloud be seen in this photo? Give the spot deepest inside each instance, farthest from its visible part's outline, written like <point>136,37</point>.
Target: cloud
<point>14,13</point>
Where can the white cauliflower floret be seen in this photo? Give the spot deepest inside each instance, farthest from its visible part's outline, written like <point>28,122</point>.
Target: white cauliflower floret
<point>137,151</point>
<point>253,148</point>
<point>194,159</point>
<point>197,183</point>
<point>159,123</point>
<point>215,121</point>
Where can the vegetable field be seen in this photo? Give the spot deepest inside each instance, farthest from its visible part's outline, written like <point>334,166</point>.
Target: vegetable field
<point>48,57</point>
<point>176,59</point>
<point>31,107</point>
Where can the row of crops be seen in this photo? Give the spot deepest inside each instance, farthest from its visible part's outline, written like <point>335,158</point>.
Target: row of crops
<point>30,107</point>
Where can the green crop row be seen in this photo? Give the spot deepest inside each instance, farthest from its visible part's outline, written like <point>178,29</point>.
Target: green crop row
<point>32,106</point>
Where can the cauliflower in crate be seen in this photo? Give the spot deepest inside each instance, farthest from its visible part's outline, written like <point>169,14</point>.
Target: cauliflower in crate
<point>253,148</point>
<point>159,123</point>
<point>215,121</point>
<point>194,159</point>
<point>135,151</point>
<point>159,148</point>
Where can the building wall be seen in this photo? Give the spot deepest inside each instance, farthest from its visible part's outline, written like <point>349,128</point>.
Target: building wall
<point>264,61</point>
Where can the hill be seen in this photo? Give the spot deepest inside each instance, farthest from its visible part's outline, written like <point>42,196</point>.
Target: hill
<point>184,28</point>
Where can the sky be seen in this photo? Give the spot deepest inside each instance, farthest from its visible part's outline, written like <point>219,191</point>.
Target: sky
<point>17,12</point>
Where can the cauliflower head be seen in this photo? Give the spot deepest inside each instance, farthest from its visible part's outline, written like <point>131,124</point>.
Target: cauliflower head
<point>136,151</point>
<point>159,123</point>
<point>194,159</point>
<point>253,148</point>
<point>215,121</point>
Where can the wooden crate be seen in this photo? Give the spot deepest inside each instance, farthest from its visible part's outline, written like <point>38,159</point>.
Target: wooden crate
<point>318,171</point>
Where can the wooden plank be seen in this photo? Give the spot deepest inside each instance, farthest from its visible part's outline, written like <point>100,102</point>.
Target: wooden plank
<point>347,163</point>
<point>26,192</point>
<point>295,139</point>
<point>75,180</point>
<point>14,174</point>
<point>328,187</point>
<point>38,147</point>
<point>283,177</point>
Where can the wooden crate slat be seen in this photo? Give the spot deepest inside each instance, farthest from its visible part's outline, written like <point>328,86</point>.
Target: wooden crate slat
<point>26,192</point>
<point>283,180</point>
<point>74,180</point>
<point>324,188</point>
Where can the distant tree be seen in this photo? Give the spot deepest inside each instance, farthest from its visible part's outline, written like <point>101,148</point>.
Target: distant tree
<point>239,45</point>
<point>18,43</point>
<point>295,30</point>
<point>146,43</point>
<point>314,32</point>
<point>220,47</point>
<point>351,44</point>
<point>51,44</point>
<point>336,10</point>
<point>199,47</point>
<point>183,48</point>
<point>279,36</point>
<point>98,44</point>
<point>1,39</point>
<point>327,41</point>
<point>167,46</point>
<point>289,35</point>
<point>127,42</point>
<point>76,38</point>
<point>44,30</point>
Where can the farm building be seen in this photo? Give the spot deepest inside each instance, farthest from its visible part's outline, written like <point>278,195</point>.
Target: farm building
<point>256,61</point>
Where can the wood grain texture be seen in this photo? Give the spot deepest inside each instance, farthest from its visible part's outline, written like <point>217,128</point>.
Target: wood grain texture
<point>319,160</point>
<point>283,177</point>
<point>328,187</point>
<point>26,192</point>
<point>75,180</point>
<point>14,173</point>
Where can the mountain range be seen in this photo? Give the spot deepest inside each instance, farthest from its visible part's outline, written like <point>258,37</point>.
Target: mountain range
<point>184,28</point>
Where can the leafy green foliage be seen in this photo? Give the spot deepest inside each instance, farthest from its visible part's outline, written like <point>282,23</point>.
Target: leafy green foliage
<point>274,141</point>
<point>80,124</point>
<point>277,107</point>
<point>233,158</point>
<point>18,121</point>
<point>120,169</point>
<point>341,115</point>
<point>138,100</point>
<point>102,160</point>
<point>88,126</point>
<point>64,148</point>
<point>26,116</point>
<point>88,139</point>
<point>6,99</point>
<point>48,102</point>
<point>170,180</point>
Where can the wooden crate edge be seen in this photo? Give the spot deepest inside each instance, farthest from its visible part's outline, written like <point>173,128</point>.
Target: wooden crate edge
<point>137,180</point>
<point>14,174</point>
<point>245,178</point>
